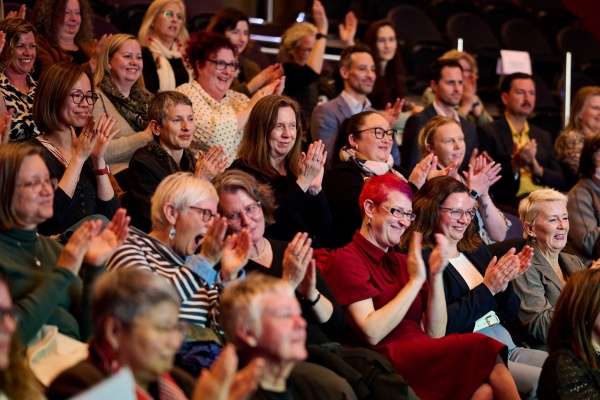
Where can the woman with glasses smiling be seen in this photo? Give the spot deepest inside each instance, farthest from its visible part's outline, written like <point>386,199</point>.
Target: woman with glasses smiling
<point>162,36</point>
<point>220,113</point>
<point>478,290</point>
<point>64,101</point>
<point>363,149</point>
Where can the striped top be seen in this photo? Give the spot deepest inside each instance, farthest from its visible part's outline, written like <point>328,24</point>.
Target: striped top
<point>199,299</point>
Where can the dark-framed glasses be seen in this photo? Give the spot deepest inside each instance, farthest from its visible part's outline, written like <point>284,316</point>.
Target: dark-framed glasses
<point>205,213</point>
<point>397,212</point>
<point>221,65</point>
<point>380,132</point>
<point>251,211</point>
<point>78,97</point>
<point>37,184</point>
<point>11,312</point>
<point>457,213</point>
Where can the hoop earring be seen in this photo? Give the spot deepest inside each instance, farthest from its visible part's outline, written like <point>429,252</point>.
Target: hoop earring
<point>172,233</point>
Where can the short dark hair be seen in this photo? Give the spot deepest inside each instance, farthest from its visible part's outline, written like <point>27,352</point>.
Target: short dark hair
<point>586,160</point>
<point>435,70</point>
<point>348,51</point>
<point>159,104</point>
<point>507,81</point>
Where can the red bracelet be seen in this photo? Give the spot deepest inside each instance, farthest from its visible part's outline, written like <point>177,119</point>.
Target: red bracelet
<point>102,171</point>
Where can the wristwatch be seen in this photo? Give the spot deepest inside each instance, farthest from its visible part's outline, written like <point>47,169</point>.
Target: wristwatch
<point>474,194</point>
<point>102,171</point>
<point>321,36</point>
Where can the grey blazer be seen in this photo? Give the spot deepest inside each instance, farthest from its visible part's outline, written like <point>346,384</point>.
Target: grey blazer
<point>539,288</point>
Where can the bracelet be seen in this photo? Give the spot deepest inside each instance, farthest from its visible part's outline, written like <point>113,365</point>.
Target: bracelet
<point>321,36</point>
<point>312,303</point>
<point>102,171</point>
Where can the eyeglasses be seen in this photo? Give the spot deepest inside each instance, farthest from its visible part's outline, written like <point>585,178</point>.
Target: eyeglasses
<point>397,212</point>
<point>207,215</point>
<point>11,312</point>
<point>380,132</point>
<point>251,211</point>
<point>456,213</point>
<point>171,14</point>
<point>221,65</point>
<point>37,184</point>
<point>180,328</point>
<point>78,97</point>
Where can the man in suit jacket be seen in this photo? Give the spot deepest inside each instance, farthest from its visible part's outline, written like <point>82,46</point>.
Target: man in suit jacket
<point>357,69</point>
<point>447,85</point>
<point>525,152</point>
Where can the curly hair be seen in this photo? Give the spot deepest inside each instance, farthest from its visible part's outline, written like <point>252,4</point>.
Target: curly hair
<point>203,45</point>
<point>50,15</point>
<point>13,28</point>
<point>426,205</point>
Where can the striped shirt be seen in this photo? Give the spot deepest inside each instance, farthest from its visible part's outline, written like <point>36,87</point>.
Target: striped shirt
<point>198,298</point>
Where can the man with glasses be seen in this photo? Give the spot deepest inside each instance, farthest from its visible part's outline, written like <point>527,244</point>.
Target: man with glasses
<point>447,85</point>
<point>357,70</point>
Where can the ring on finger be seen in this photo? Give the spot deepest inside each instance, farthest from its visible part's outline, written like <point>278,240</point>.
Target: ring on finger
<point>86,133</point>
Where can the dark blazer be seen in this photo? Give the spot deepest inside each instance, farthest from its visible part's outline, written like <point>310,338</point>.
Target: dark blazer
<point>326,121</point>
<point>466,306</point>
<point>496,139</point>
<point>410,154</point>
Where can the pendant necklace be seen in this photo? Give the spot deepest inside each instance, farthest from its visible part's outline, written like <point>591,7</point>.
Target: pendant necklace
<point>35,258</point>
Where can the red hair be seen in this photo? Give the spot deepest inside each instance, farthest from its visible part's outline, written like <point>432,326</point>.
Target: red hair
<point>378,189</point>
<point>202,46</point>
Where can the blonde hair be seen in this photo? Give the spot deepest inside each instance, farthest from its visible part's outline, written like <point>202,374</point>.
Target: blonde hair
<point>150,16</point>
<point>110,47</point>
<point>462,55</point>
<point>291,37</point>
<point>182,190</point>
<point>427,133</point>
<point>530,206</point>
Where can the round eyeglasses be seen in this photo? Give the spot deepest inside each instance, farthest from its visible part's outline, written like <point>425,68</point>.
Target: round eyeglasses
<point>78,97</point>
<point>251,211</point>
<point>456,213</point>
<point>206,214</point>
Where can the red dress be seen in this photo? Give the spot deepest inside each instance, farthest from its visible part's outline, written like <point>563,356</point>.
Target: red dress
<point>451,367</point>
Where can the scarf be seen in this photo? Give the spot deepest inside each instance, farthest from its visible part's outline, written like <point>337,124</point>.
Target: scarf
<point>369,167</point>
<point>104,357</point>
<point>162,55</point>
<point>134,109</point>
<point>188,162</point>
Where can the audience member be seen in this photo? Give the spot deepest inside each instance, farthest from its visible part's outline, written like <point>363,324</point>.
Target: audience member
<point>66,33</point>
<point>63,102</point>
<point>479,293</point>
<point>220,113</point>
<point>584,121</point>
<point>442,137</point>
<point>470,107</point>
<point>270,150</point>
<point>584,205</point>
<point>357,70</point>
<point>44,276</point>
<point>571,371</point>
<point>447,85</point>
<point>393,308</point>
<point>17,86</point>
<point>172,124</point>
<point>545,226</point>
<point>120,88</point>
<point>16,379</point>
<point>525,152</point>
<point>234,24</point>
<point>302,56</point>
<point>163,36</point>
<point>366,142</point>
<point>182,210</point>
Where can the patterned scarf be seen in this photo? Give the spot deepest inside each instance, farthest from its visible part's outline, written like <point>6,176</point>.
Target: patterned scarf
<point>369,167</point>
<point>162,55</point>
<point>188,162</point>
<point>105,359</point>
<point>134,109</point>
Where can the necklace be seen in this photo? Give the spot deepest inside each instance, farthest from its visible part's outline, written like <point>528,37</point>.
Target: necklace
<point>35,258</point>
<point>262,253</point>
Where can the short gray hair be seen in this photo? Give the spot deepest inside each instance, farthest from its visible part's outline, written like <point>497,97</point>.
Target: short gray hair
<point>530,206</point>
<point>127,295</point>
<point>159,105</point>
<point>182,190</point>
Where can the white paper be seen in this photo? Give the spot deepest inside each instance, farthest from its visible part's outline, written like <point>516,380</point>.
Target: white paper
<point>119,386</point>
<point>512,61</point>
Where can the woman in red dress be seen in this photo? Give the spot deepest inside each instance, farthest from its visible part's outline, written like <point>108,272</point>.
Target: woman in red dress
<point>393,308</point>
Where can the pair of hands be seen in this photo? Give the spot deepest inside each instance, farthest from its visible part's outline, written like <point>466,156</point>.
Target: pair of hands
<point>231,250</point>
<point>524,157</point>
<point>266,76</point>
<point>312,167</point>
<point>92,246</point>
<point>275,87</point>
<point>94,138</point>
<point>212,163</point>
<point>482,174</point>
<point>510,266</point>
<point>299,267</point>
<point>438,259</point>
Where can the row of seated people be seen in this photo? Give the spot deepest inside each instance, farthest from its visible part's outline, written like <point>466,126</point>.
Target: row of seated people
<point>384,293</point>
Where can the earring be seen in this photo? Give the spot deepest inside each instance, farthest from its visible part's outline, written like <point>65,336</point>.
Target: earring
<point>369,224</point>
<point>172,233</point>
<point>533,240</point>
